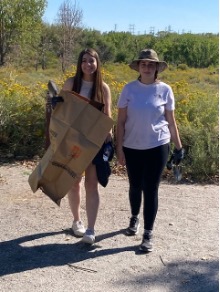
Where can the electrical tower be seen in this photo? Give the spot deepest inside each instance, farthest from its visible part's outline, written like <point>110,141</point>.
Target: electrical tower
<point>131,28</point>
<point>152,28</point>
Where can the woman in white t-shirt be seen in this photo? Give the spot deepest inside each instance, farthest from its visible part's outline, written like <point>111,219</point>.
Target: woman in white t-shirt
<point>88,83</point>
<point>145,126</point>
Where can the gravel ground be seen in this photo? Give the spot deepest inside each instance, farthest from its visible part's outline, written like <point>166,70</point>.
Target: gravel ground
<point>39,253</point>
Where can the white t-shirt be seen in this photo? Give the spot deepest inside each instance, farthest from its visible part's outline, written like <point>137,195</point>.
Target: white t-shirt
<point>146,126</point>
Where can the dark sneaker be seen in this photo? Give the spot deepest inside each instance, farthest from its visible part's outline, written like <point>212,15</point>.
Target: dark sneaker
<point>133,227</point>
<point>147,244</point>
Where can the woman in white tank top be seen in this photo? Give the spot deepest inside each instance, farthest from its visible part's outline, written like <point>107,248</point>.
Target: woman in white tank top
<point>88,83</point>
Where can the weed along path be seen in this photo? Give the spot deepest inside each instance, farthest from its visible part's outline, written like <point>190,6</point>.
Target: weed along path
<point>39,253</point>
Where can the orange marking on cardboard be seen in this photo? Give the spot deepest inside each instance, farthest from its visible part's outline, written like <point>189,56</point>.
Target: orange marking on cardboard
<point>75,151</point>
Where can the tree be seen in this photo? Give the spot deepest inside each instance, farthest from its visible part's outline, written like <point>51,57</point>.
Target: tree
<point>69,20</point>
<point>46,46</point>
<point>20,21</point>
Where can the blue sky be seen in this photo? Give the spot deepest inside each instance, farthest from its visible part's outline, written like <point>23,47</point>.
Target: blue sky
<point>143,16</point>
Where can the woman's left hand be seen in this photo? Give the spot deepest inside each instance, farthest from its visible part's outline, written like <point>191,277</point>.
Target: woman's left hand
<point>108,138</point>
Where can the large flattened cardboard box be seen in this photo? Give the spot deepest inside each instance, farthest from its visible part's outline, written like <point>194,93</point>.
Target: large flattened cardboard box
<point>77,132</point>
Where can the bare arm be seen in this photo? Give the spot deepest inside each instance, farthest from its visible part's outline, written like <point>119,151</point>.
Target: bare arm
<point>68,84</point>
<point>107,100</point>
<point>107,107</point>
<point>122,116</point>
<point>170,117</point>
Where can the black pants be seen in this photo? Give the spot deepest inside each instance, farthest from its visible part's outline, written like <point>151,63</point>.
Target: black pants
<point>144,168</point>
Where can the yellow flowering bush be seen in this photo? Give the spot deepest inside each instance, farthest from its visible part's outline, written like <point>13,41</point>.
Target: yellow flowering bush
<point>22,118</point>
<point>23,98</point>
<point>197,118</point>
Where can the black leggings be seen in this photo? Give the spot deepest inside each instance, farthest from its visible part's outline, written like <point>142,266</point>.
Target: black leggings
<point>144,168</point>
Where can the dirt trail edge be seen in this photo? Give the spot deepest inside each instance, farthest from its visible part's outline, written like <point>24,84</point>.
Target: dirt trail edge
<point>39,253</point>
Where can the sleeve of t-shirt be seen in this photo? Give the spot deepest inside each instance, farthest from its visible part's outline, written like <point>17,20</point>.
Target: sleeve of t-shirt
<point>123,98</point>
<point>170,105</point>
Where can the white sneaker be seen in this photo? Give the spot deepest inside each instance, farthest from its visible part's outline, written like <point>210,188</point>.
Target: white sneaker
<point>89,236</point>
<point>78,228</point>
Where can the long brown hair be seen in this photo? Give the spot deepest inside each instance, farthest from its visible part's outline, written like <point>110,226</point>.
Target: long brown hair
<point>97,89</point>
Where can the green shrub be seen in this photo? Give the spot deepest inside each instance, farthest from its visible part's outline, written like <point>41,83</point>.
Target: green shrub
<point>182,67</point>
<point>22,117</point>
<point>197,119</point>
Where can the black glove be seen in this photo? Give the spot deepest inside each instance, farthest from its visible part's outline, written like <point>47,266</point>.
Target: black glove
<point>55,100</point>
<point>178,156</point>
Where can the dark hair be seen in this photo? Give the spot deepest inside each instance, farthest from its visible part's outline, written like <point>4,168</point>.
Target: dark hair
<point>97,89</point>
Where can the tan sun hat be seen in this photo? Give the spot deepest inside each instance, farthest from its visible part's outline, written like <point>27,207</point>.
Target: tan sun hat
<point>148,55</point>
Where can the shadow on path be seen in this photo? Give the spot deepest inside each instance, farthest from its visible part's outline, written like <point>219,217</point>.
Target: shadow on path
<point>180,276</point>
<point>15,257</point>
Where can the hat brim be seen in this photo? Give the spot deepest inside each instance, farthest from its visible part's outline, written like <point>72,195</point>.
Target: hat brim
<point>135,64</point>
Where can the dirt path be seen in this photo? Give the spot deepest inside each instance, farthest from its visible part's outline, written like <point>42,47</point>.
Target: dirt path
<point>38,252</point>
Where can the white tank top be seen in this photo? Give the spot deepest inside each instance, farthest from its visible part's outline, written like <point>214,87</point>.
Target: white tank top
<point>86,89</point>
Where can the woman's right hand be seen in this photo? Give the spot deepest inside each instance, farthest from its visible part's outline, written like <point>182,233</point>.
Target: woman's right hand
<point>121,157</point>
